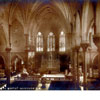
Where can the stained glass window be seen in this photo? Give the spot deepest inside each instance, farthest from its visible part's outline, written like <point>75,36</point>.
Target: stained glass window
<point>51,42</point>
<point>39,42</point>
<point>62,45</point>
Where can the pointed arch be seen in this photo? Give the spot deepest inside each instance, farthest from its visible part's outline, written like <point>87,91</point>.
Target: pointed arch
<point>51,42</point>
<point>62,42</point>
<point>39,42</point>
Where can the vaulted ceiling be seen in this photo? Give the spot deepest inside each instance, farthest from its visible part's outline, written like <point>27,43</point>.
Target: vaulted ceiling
<point>33,16</point>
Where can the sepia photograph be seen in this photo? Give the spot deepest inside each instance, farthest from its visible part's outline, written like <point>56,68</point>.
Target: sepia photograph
<point>48,45</point>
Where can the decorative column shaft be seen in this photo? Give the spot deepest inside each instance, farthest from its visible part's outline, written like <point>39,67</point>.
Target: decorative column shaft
<point>77,60</point>
<point>84,46</point>
<point>90,67</point>
<point>8,50</point>
<point>26,48</point>
<point>73,64</point>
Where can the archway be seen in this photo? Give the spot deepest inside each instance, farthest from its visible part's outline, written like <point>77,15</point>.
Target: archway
<point>17,64</point>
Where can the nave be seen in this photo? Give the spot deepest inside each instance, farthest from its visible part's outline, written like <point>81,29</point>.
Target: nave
<point>50,45</point>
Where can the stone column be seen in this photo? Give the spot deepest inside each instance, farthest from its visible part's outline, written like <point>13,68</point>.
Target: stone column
<point>90,64</point>
<point>96,40</point>
<point>26,49</point>
<point>8,50</point>
<point>84,46</point>
<point>77,60</point>
<point>74,65</point>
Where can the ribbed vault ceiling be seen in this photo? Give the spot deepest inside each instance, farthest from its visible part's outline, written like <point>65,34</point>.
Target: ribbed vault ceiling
<point>48,16</point>
<point>39,15</point>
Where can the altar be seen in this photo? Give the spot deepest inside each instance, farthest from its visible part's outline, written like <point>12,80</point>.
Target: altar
<point>53,77</point>
<point>51,63</point>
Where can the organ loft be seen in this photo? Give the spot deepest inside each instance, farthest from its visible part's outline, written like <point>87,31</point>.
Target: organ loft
<point>50,44</point>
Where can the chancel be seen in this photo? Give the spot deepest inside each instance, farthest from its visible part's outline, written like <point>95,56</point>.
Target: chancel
<point>49,45</point>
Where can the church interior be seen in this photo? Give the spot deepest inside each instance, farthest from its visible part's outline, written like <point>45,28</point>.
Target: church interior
<point>49,45</point>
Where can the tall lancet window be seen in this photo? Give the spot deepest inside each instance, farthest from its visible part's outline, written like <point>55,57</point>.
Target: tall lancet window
<point>39,42</point>
<point>51,42</point>
<point>62,45</point>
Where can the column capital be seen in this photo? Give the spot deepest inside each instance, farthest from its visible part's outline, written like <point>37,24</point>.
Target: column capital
<point>73,49</point>
<point>26,34</point>
<point>84,46</point>
<point>8,49</point>
<point>77,48</point>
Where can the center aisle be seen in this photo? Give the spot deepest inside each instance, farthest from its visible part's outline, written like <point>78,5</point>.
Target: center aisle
<point>40,85</point>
